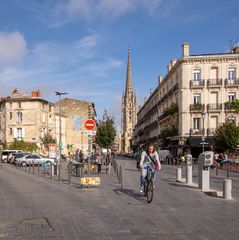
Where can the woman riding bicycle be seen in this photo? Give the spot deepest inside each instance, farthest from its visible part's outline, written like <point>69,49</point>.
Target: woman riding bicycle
<point>149,159</point>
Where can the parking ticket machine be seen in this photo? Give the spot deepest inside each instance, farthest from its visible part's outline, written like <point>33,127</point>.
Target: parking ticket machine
<point>205,160</point>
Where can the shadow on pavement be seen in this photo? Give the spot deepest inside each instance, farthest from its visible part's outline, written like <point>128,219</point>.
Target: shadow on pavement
<point>132,170</point>
<point>131,193</point>
<point>182,185</point>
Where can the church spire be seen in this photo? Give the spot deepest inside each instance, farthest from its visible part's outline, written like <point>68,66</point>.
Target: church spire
<point>128,76</point>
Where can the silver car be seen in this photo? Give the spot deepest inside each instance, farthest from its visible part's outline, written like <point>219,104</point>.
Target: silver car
<point>34,159</point>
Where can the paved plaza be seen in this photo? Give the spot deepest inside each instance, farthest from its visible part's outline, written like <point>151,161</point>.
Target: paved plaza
<point>34,207</point>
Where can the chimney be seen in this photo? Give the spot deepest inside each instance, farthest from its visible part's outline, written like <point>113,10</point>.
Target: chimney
<point>160,79</point>
<point>36,94</point>
<point>173,62</point>
<point>185,50</point>
<point>169,67</point>
<point>15,92</point>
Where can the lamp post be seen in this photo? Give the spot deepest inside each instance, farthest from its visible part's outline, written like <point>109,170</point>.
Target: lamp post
<point>203,133</point>
<point>59,158</point>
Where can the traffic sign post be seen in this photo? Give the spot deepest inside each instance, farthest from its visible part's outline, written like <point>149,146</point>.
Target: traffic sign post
<point>90,124</point>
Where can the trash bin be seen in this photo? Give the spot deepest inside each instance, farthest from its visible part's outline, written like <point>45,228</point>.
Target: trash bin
<point>79,169</point>
<point>54,169</point>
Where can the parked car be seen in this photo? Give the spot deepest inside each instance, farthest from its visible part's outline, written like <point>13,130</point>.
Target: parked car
<point>18,155</point>
<point>6,153</point>
<point>34,159</point>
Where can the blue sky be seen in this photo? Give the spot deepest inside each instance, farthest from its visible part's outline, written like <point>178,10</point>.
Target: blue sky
<point>80,46</point>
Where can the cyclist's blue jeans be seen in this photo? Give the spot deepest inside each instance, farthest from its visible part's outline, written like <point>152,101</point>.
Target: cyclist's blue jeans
<point>144,173</point>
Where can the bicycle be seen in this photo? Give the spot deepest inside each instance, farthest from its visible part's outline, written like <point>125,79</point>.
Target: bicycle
<point>149,185</point>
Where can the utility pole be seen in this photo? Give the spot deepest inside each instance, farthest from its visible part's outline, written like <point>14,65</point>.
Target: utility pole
<point>59,144</point>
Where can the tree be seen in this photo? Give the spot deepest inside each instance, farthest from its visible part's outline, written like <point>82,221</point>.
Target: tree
<point>227,136</point>
<point>24,146</point>
<point>106,131</point>
<point>234,105</point>
<point>46,140</point>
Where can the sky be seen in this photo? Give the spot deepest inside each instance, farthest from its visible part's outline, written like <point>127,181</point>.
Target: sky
<point>80,46</point>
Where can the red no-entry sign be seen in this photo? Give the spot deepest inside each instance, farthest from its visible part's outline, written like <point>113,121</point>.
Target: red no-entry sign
<point>89,124</point>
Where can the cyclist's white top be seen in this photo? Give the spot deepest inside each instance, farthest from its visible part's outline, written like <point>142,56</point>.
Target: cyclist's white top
<point>146,159</point>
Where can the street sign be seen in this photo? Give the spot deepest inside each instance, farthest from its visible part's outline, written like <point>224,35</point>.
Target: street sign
<point>89,124</point>
<point>87,132</point>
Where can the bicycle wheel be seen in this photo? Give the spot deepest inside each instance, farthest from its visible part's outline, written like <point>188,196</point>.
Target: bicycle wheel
<point>145,186</point>
<point>150,191</point>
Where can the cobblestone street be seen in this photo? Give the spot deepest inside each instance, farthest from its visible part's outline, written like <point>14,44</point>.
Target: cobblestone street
<point>33,207</point>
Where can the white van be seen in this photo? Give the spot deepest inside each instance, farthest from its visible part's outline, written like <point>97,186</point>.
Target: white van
<point>6,153</point>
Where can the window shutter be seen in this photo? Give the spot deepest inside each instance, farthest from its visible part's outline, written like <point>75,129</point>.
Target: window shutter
<point>15,132</point>
<point>23,133</point>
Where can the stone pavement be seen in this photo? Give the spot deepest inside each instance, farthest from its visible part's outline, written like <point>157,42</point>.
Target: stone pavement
<point>33,207</point>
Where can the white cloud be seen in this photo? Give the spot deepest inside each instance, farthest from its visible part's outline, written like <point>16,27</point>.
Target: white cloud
<point>86,42</point>
<point>13,47</point>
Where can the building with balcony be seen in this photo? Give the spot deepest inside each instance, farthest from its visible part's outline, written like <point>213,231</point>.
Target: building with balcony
<point>190,102</point>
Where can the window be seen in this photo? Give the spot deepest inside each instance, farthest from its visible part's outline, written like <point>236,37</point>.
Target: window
<point>49,108</point>
<point>19,117</point>
<point>130,119</point>
<point>19,133</point>
<point>196,98</point>
<point>10,131</point>
<point>231,96</point>
<point>231,73</point>
<point>196,75</point>
<point>196,123</point>
<point>10,105</point>
<point>10,115</point>
<point>19,105</point>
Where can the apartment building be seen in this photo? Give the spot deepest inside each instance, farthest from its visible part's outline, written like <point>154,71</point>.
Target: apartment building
<point>75,113</point>
<point>25,117</point>
<point>190,102</point>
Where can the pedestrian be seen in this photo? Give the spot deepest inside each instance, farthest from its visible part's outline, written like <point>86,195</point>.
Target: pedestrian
<point>99,163</point>
<point>108,163</point>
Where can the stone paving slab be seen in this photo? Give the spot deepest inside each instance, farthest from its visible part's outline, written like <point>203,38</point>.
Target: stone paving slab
<point>109,212</point>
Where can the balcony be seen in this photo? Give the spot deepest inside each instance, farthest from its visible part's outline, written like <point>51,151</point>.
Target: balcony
<point>197,132</point>
<point>214,82</point>
<point>228,107</point>
<point>232,82</point>
<point>210,131</point>
<point>197,84</point>
<point>197,107</point>
<point>214,107</point>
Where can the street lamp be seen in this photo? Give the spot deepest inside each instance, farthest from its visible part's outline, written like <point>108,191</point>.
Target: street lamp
<point>203,133</point>
<point>59,159</point>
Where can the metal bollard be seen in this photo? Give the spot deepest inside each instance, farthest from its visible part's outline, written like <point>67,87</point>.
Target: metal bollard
<point>121,177</point>
<point>38,168</point>
<point>33,167</point>
<point>51,168</point>
<point>227,170</point>
<point>227,189</point>
<point>178,173</point>
<point>189,175</point>
<point>29,168</point>
<point>217,169</point>
<point>44,169</point>
<point>69,173</point>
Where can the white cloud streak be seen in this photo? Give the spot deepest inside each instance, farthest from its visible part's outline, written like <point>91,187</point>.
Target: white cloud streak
<point>13,47</point>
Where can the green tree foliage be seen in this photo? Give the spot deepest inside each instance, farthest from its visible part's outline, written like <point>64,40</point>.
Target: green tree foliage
<point>227,136</point>
<point>234,105</point>
<point>24,146</point>
<point>47,139</point>
<point>106,131</point>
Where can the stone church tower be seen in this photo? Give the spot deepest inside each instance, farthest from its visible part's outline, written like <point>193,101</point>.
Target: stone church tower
<point>128,112</point>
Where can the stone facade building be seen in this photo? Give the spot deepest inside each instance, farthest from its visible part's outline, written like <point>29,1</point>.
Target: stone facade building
<point>128,112</point>
<point>29,117</point>
<point>75,112</point>
<point>25,117</point>
<point>190,102</point>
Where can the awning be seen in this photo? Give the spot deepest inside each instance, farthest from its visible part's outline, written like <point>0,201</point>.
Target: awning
<point>197,141</point>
